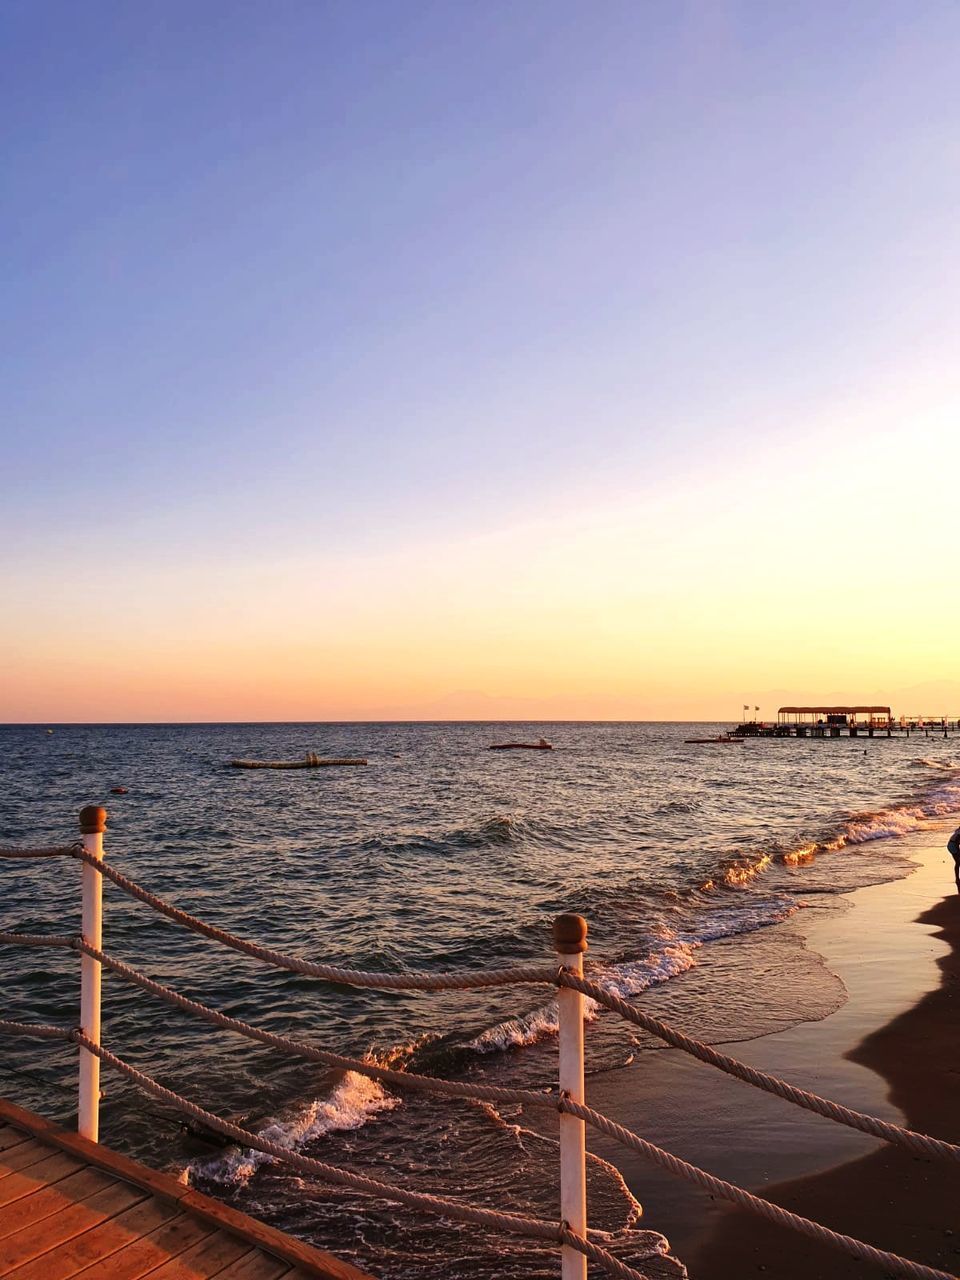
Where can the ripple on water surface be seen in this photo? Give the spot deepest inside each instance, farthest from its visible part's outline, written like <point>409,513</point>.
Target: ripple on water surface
<point>439,854</point>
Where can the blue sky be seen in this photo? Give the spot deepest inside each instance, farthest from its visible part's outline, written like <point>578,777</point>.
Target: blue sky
<point>359,274</point>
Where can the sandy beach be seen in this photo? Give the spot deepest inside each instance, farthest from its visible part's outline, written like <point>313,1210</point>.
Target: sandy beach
<point>892,1049</point>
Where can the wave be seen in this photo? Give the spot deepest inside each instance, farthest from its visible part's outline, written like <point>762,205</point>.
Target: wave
<point>514,1033</point>
<point>899,820</point>
<point>859,828</point>
<point>351,1104</point>
<point>676,955</point>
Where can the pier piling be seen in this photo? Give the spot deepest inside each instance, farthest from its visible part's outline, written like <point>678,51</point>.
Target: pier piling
<point>570,940</point>
<point>93,823</point>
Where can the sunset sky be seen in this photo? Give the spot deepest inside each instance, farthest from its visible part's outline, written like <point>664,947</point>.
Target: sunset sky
<point>438,360</point>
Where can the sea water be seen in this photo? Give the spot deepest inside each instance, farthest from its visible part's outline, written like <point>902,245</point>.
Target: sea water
<point>438,854</point>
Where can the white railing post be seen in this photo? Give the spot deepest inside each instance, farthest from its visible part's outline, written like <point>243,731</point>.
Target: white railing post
<point>570,940</point>
<point>93,823</point>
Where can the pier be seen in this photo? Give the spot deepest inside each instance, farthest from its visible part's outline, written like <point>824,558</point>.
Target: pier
<point>72,1208</point>
<point>847,722</point>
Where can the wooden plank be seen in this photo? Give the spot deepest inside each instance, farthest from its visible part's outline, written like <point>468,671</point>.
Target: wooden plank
<point>149,1252</point>
<point>315,1262</point>
<point>42,1174</point>
<point>51,1199</point>
<point>19,1157</point>
<point>310,1261</point>
<point>99,1242</point>
<point>40,1237</point>
<point>9,1137</point>
<point>161,1184</point>
<point>205,1259</point>
<point>255,1266</point>
<point>26,1121</point>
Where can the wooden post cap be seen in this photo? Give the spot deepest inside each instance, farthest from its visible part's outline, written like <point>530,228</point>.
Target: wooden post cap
<point>570,934</point>
<point>93,819</point>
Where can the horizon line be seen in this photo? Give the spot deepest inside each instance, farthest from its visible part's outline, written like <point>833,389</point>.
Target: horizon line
<point>96,724</point>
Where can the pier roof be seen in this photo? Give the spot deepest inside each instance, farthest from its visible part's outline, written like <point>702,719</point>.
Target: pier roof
<point>833,711</point>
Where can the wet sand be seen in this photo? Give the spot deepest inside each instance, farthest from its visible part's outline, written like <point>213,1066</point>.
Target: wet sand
<point>892,1049</point>
<point>890,1198</point>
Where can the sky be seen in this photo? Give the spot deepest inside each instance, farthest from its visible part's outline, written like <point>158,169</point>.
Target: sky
<point>432,361</point>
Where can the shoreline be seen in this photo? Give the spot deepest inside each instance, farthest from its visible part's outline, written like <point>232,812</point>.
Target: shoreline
<point>889,1197</point>
<point>892,952</point>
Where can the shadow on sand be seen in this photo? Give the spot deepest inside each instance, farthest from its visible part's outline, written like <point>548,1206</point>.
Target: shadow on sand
<point>890,1198</point>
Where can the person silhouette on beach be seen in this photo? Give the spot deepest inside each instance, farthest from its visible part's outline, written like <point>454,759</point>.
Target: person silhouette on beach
<point>953,844</point>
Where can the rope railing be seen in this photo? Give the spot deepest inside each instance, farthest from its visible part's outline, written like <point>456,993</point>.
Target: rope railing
<point>919,1143</point>
<point>38,1030</point>
<point>37,939</point>
<point>53,851</point>
<point>514,1223</point>
<point>573,1113</point>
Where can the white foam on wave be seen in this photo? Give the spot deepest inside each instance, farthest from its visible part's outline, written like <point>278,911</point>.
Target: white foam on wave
<point>674,956</point>
<point>628,979</point>
<point>901,820</point>
<point>744,870</point>
<point>944,799</point>
<point>864,827</point>
<point>351,1104</point>
<point>513,1033</point>
<point>635,976</point>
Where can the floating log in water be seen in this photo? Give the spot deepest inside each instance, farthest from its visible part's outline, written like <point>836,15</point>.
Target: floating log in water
<point>542,745</point>
<point>309,761</point>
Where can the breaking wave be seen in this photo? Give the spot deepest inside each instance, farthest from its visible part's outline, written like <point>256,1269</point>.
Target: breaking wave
<point>859,828</point>
<point>676,955</point>
<point>351,1104</point>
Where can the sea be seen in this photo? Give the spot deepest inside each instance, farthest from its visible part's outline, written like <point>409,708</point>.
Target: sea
<point>438,854</point>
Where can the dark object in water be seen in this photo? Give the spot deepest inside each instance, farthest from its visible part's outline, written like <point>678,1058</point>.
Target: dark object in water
<point>309,761</point>
<point>202,1136</point>
<point>119,791</point>
<point>726,740</point>
<point>542,745</point>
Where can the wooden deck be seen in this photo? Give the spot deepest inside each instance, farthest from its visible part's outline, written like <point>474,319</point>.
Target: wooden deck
<point>72,1208</point>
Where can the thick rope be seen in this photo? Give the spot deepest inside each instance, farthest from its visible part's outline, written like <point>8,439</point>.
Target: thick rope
<point>428,1084</point>
<point>37,939</point>
<point>516,1224</point>
<point>61,851</point>
<point>893,1263</point>
<point>37,1030</point>
<point>413,981</point>
<point>919,1143</point>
